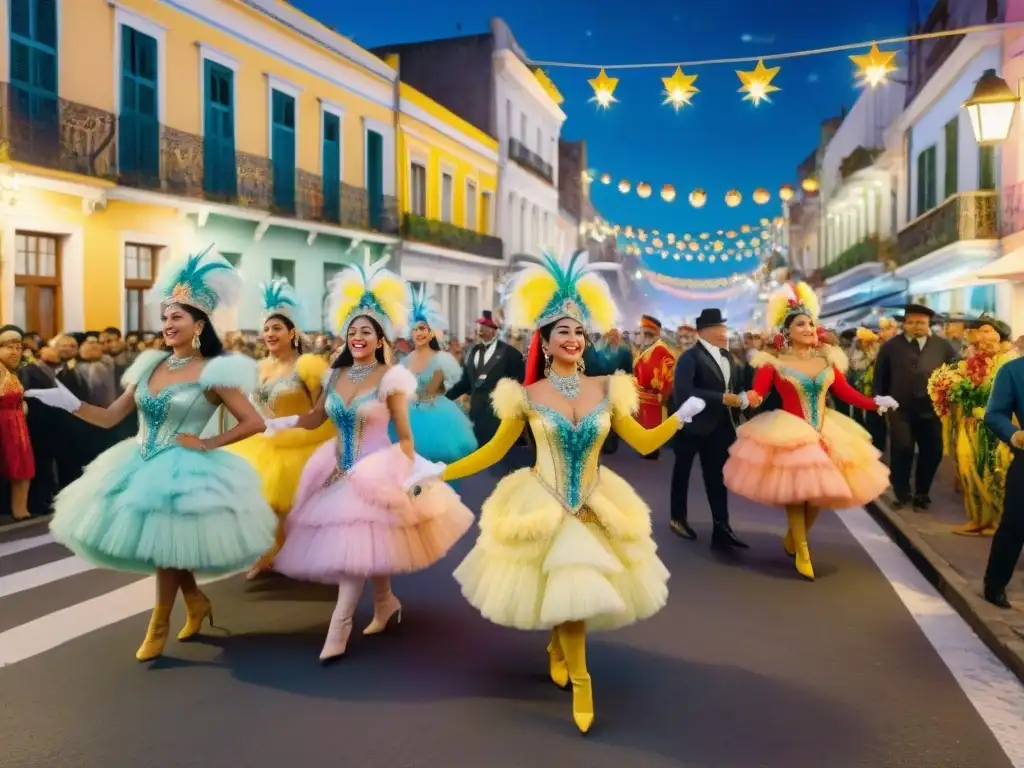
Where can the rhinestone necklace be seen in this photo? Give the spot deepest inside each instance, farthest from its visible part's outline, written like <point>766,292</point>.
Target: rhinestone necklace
<point>359,373</point>
<point>567,386</point>
<point>175,363</point>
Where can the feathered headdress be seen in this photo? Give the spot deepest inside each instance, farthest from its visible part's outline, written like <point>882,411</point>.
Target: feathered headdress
<point>279,298</point>
<point>546,292</point>
<point>425,309</point>
<point>791,300</point>
<point>368,290</point>
<point>204,281</point>
<point>866,335</point>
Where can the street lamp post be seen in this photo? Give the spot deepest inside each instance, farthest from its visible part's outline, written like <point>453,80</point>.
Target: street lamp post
<point>991,108</point>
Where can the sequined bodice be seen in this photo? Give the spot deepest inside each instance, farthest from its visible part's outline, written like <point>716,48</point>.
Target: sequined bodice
<point>362,425</point>
<point>811,391</point>
<point>283,396</point>
<point>177,409</point>
<point>568,453</point>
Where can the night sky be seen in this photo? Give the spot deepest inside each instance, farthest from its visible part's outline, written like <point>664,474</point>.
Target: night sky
<point>719,142</point>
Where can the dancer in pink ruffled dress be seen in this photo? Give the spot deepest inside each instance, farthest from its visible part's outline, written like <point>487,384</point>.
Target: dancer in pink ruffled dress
<point>366,508</point>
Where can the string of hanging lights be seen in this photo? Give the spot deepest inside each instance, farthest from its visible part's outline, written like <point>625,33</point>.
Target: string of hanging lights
<point>698,198</point>
<point>872,69</point>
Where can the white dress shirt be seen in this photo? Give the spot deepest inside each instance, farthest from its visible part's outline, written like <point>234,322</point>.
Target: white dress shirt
<point>921,341</point>
<point>719,356</point>
<point>486,352</point>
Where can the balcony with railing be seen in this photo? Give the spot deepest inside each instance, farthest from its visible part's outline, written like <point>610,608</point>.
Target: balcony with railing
<point>444,235</point>
<point>864,252</point>
<point>140,153</point>
<point>964,216</point>
<point>530,160</point>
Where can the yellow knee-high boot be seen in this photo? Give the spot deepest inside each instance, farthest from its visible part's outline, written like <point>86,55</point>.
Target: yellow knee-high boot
<point>557,667</point>
<point>798,528</point>
<point>572,637</point>
<point>809,518</point>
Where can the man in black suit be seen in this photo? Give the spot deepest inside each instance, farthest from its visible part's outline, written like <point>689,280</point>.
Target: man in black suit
<point>707,370</point>
<point>483,366</point>
<point>902,368</point>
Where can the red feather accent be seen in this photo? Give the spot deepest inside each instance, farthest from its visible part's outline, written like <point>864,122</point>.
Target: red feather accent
<point>533,364</point>
<point>779,341</point>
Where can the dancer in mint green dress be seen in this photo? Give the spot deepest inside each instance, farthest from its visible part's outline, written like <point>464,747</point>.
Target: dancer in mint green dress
<point>167,501</point>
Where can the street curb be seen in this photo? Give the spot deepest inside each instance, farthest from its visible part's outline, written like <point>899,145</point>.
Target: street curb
<point>22,524</point>
<point>986,620</point>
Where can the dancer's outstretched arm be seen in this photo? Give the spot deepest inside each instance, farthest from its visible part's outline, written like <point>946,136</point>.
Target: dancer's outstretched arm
<point>489,454</point>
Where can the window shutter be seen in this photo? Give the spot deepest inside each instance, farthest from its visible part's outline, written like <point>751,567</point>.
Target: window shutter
<point>219,175</point>
<point>375,178</point>
<point>331,170</point>
<point>922,184</point>
<point>283,150</point>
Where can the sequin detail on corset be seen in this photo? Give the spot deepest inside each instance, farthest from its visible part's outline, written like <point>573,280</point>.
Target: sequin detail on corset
<point>266,393</point>
<point>572,445</point>
<point>350,424</point>
<point>155,434</point>
<point>812,391</point>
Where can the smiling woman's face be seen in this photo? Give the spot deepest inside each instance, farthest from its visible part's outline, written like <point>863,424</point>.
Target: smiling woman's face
<point>567,341</point>
<point>362,339</point>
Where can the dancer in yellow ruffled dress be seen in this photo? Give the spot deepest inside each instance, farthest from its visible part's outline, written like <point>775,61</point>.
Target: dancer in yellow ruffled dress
<point>565,545</point>
<point>289,385</point>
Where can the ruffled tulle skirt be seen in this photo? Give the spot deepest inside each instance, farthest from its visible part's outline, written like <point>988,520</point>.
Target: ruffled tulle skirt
<point>441,430</point>
<point>183,509</point>
<point>780,459</point>
<point>279,460</point>
<point>529,579</point>
<point>364,523</point>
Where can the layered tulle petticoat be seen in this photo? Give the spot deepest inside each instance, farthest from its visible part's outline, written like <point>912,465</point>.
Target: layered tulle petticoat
<point>198,511</point>
<point>536,566</point>
<point>780,459</point>
<point>280,458</point>
<point>363,523</point>
<point>440,429</point>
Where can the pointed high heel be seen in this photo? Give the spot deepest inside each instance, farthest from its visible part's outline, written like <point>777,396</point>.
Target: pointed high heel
<point>336,642</point>
<point>803,561</point>
<point>557,667</point>
<point>385,607</point>
<point>198,608</point>
<point>156,634</point>
<point>573,640</point>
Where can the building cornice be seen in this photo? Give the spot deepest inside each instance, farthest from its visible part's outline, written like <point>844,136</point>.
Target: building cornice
<point>505,61</point>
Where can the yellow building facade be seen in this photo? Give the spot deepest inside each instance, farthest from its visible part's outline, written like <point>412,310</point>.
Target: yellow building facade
<point>166,126</point>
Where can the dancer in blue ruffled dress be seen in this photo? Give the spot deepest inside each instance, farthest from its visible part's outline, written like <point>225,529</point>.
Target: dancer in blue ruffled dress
<point>167,501</point>
<point>441,430</point>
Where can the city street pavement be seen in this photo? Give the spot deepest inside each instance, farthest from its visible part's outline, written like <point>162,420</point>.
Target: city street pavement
<point>747,666</point>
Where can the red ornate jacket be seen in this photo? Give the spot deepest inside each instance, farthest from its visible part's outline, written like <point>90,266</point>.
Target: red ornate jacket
<point>806,396</point>
<point>654,371</point>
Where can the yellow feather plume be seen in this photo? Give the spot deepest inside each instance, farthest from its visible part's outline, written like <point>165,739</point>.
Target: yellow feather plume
<point>781,303</point>
<point>597,298</point>
<point>808,298</point>
<point>371,288</point>
<point>866,335</point>
<point>531,292</point>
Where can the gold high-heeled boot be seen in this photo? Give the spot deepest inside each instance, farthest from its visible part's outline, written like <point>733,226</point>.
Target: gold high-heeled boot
<point>156,634</point>
<point>572,636</point>
<point>798,528</point>
<point>197,609</point>
<point>385,606</point>
<point>810,515</point>
<point>557,667</point>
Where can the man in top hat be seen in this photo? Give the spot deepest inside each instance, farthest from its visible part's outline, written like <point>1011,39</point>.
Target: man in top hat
<point>709,371</point>
<point>902,369</point>
<point>653,372</point>
<point>483,366</point>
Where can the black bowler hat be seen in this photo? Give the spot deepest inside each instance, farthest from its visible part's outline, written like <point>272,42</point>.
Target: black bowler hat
<point>709,317</point>
<point>918,309</point>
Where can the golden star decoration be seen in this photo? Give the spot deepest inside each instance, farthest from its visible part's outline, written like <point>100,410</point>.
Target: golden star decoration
<point>679,89</point>
<point>604,89</point>
<point>873,67</point>
<point>757,84</point>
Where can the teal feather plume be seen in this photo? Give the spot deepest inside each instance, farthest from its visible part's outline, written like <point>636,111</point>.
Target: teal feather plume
<point>279,298</point>
<point>204,280</point>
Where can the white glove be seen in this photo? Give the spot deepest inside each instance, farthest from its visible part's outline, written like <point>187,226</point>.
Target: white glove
<point>280,424</point>
<point>689,409</point>
<point>885,403</point>
<point>58,397</point>
<point>423,470</point>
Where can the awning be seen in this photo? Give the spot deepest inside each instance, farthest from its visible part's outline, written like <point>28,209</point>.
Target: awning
<point>1008,267</point>
<point>882,291</point>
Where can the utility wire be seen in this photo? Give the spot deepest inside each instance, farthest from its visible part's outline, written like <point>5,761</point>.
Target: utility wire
<point>794,54</point>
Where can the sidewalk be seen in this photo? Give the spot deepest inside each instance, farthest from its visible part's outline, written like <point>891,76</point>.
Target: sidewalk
<point>956,565</point>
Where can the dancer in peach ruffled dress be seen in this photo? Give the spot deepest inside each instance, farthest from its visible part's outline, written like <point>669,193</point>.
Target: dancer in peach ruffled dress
<point>805,456</point>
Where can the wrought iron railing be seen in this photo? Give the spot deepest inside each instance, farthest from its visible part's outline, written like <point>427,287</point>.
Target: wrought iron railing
<point>530,160</point>
<point>964,216</point>
<point>134,152</point>
<point>445,235</point>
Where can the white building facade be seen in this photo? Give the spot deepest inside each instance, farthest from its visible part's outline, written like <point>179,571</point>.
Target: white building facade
<point>947,203</point>
<point>529,124</point>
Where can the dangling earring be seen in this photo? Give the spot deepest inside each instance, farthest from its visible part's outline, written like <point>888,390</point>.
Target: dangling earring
<point>581,366</point>
<point>195,341</point>
<point>547,364</point>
